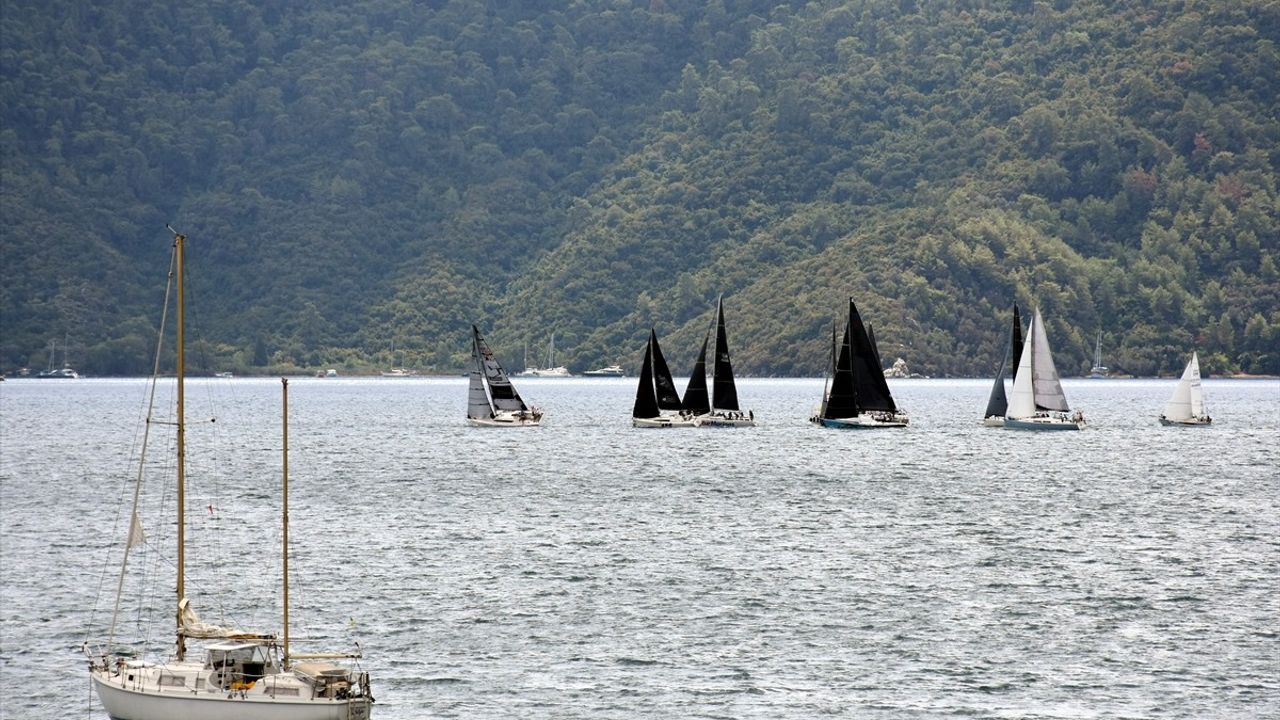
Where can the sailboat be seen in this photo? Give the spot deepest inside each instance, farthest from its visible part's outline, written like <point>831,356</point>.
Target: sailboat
<point>1186,407</point>
<point>55,373</point>
<point>492,401</point>
<point>1098,371</point>
<point>724,410</point>
<point>551,370</point>
<point>858,396</point>
<point>247,675</point>
<point>1038,402</point>
<point>657,403</point>
<point>998,403</point>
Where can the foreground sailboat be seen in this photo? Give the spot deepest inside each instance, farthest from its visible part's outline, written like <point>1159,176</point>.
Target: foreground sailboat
<point>998,403</point>
<point>492,401</point>
<point>1038,402</point>
<point>246,675</point>
<point>657,403</point>
<point>1186,407</point>
<point>858,397</point>
<point>724,411</point>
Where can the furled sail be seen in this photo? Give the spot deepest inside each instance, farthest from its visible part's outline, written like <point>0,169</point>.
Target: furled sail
<point>871,390</point>
<point>190,624</point>
<point>646,405</point>
<point>696,400</point>
<point>501,392</point>
<point>665,387</point>
<point>724,394</point>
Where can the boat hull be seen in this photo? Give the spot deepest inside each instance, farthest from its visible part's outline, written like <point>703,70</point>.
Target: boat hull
<point>722,419</point>
<point>993,421</point>
<point>1189,422</point>
<point>664,421</point>
<point>123,702</point>
<point>1050,423</point>
<point>864,421</point>
<point>503,420</point>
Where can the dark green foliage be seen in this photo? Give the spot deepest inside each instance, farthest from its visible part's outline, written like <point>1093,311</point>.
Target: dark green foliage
<point>361,182</point>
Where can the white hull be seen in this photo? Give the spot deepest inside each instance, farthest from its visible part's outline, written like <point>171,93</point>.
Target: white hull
<point>864,421</point>
<point>1187,422</point>
<point>145,699</point>
<point>504,419</point>
<point>994,421</point>
<point>725,419</point>
<point>664,421</point>
<point>1045,422</point>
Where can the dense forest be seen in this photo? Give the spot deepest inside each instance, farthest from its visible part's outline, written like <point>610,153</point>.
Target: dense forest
<point>362,181</point>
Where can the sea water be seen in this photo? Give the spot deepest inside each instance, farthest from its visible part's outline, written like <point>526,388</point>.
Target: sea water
<point>586,569</point>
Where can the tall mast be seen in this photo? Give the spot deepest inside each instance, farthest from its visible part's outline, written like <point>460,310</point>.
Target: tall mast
<point>179,241</point>
<point>284,388</point>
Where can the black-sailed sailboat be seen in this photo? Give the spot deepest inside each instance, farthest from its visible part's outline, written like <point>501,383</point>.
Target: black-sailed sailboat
<point>859,396</point>
<point>998,402</point>
<point>657,403</point>
<point>725,410</point>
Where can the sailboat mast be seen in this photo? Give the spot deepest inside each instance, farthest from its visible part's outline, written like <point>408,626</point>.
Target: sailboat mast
<point>284,521</point>
<point>179,244</point>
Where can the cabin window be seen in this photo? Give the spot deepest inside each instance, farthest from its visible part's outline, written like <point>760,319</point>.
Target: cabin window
<point>172,681</point>
<point>200,682</point>
<point>283,692</point>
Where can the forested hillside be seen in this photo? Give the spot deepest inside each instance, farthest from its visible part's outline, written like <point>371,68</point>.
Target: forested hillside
<point>362,182</point>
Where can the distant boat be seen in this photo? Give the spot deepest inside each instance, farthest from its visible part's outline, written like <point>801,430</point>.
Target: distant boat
<point>724,410</point>
<point>1186,407</point>
<point>226,374</point>
<point>657,403</point>
<point>58,373</point>
<point>1098,371</point>
<point>551,370</point>
<point>492,401</point>
<point>1038,402</point>
<point>399,372</point>
<point>247,675</point>
<point>608,371</point>
<point>998,403</point>
<point>858,396</point>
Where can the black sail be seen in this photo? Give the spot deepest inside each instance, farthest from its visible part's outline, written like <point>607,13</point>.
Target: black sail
<point>998,403</point>
<point>868,377</point>
<point>842,401</point>
<point>646,400</point>
<point>668,396</point>
<point>724,394</point>
<point>871,337</point>
<point>695,394</point>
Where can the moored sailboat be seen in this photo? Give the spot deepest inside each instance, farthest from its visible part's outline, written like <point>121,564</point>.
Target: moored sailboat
<point>1186,407</point>
<point>657,403</point>
<point>859,396</point>
<point>247,675</point>
<point>998,402</point>
<point>492,401</point>
<point>1038,402</point>
<point>725,410</point>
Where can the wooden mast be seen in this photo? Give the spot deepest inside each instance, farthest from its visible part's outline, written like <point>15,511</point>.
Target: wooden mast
<point>284,386</point>
<point>179,241</point>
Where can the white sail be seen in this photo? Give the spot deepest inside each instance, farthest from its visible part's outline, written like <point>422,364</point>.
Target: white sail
<point>1188,400</point>
<point>1047,386</point>
<point>1022,402</point>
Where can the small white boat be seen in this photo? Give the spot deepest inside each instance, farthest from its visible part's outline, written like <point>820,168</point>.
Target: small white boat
<point>1038,402</point>
<point>492,401</point>
<point>225,375</point>
<point>551,370</point>
<point>609,371</point>
<point>399,372</point>
<point>1186,407</point>
<point>1098,371</point>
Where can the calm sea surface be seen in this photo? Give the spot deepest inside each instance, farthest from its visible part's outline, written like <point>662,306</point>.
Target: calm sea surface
<point>589,570</point>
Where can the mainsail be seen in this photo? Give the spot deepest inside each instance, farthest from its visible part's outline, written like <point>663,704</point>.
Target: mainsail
<point>646,405</point>
<point>842,401</point>
<point>696,401</point>
<point>1188,399</point>
<point>1035,384</point>
<point>724,392</point>
<point>665,387</point>
<point>501,394</point>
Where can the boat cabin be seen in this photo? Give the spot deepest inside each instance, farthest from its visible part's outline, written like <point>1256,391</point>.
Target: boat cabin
<point>326,679</point>
<point>237,666</point>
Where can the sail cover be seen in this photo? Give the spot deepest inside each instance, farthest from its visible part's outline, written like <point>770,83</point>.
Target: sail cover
<point>190,624</point>
<point>724,394</point>
<point>501,391</point>
<point>695,393</point>
<point>646,405</point>
<point>842,400</point>
<point>668,397</point>
<point>868,376</point>
<point>1048,388</point>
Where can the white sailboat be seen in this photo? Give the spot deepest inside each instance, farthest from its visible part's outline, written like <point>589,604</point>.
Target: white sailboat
<point>1038,402</point>
<point>724,411</point>
<point>247,675</point>
<point>1186,407</point>
<point>492,401</point>
<point>1098,371</point>
<point>551,370</point>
